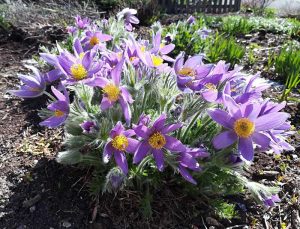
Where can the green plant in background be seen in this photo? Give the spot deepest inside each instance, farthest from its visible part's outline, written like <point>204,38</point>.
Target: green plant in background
<point>270,13</point>
<point>287,66</point>
<point>251,56</point>
<point>224,48</point>
<point>236,25</point>
<point>225,210</point>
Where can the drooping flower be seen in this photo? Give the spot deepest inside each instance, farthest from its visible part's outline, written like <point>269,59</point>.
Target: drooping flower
<point>120,143</point>
<point>95,39</point>
<point>113,92</point>
<point>88,127</point>
<point>129,18</point>
<point>191,72</point>
<point>80,68</point>
<point>245,126</point>
<point>191,20</point>
<point>187,160</point>
<point>271,201</point>
<point>60,109</point>
<point>33,85</point>
<point>82,23</point>
<point>156,139</point>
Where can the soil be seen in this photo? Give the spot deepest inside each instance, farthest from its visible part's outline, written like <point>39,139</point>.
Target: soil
<point>37,192</point>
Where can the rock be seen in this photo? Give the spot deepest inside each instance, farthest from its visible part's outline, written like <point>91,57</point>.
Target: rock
<point>32,201</point>
<point>294,157</point>
<point>213,222</point>
<point>32,209</point>
<point>66,224</point>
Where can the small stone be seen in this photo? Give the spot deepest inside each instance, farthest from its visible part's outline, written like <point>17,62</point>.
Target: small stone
<point>294,157</point>
<point>32,209</point>
<point>66,224</point>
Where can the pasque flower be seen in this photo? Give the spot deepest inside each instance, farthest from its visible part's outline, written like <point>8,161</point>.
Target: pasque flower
<point>82,23</point>
<point>245,126</point>
<point>190,72</point>
<point>129,18</point>
<point>188,160</point>
<point>60,109</point>
<point>113,92</point>
<point>156,139</point>
<point>121,141</point>
<point>95,39</point>
<point>33,85</point>
<point>88,127</point>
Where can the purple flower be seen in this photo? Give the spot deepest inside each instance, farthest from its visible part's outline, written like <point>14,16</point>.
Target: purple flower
<point>191,72</point>
<point>33,85</point>
<point>271,201</point>
<point>71,30</point>
<point>60,109</point>
<point>203,33</point>
<point>129,18</point>
<point>113,91</point>
<point>210,84</point>
<point>155,139</point>
<point>187,160</point>
<point>77,69</point>
<point>82,23</point>
<point>95,39</point>
<point>245,126</point>
<point>120,143</point>
<point>160,49</point>
<point>191,20</point>
<point>88,127</point>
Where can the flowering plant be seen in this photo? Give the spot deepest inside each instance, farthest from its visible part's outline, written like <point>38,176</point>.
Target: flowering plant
<point>134,110</point>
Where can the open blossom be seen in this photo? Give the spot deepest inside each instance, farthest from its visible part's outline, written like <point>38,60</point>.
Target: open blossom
<point>245,126</point>
<point>33,85</point>
<point>60,109</point>
<point>113,92</point>
<point>88,127</point>
<point>161,49</point>
<point>190,72</point>
<point>155,139</point>
<point>77,69</point>
<point>271,200</point>
<point>95,39</point>
<point>129,18</point>
<point>121,141</point>
<point>187,160</point>
<point>82,23</point>
<point>191,20</point>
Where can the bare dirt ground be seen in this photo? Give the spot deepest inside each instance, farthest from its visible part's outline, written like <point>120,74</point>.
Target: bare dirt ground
<point>37,192</point>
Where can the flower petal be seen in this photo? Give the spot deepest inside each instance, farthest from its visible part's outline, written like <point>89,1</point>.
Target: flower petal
<point>160,122</point>
<point>142,131</point>
<point>173,144</point>
<point>186,175</point>
<point>170,128</point>
<point>246,148</point>
<point>224,139</point>
<point>121,161</point>
<point>159,159</point>
<point>221,117</point>
<point>141,152</point>
<point>261,139</point>
<point>270,121</point>
<point>132,145</point>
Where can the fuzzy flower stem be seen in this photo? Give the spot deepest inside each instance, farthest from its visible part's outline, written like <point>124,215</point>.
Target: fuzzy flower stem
<point>193,121</point>
<point>49,95</point>
<point>143,163</point>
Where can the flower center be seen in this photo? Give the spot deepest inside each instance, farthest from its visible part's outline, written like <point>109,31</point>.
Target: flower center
<point>162,45</point>
<point>211,86</point>
<point>78,71</point>
<point>112,92</point>
<point>94,41</point>
<point>187,72</point>
<point>143,48</point>
<point>120,142</point>
<point>243,127</point>
<point>132,59</point>
<point>157,140</point>
<point>157,61</point>
<point>58,113</point>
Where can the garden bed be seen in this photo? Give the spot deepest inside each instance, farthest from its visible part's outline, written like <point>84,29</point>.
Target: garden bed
<point>37,192</point>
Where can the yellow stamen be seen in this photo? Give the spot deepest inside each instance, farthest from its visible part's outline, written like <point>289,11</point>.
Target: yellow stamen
<point>133,58</point>
<point>211,86</point>
<point>112,92</point>
<point>187,72</point>
<point>58,113</point>
<point>157,140</point>
<point>78,71</point>
<point>81,55</point>
<point>94,41</point>
<point>143,48</point>
<point>157,61</point>
<point>120,142</point>
<point>161,45</point>
<point>243,127</point>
